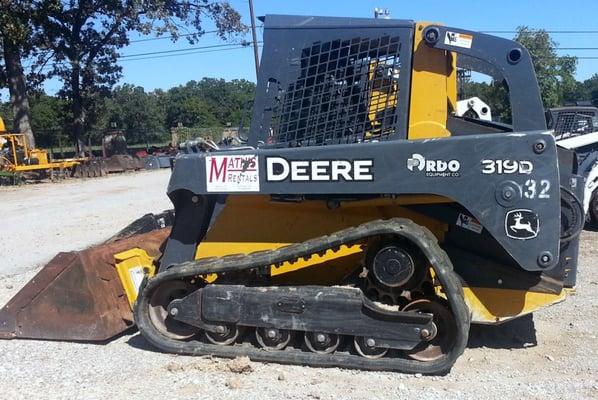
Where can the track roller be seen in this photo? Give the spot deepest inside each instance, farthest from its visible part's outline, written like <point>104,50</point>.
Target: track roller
<point>366,347</point>
<point>224,335</point>
<point>272,339</point>
<point>321,343</point>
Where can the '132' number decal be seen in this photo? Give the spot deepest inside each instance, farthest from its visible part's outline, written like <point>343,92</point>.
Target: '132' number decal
<point>533,190</point>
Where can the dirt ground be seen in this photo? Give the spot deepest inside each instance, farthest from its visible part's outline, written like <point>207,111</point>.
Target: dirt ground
<point>552,355</point>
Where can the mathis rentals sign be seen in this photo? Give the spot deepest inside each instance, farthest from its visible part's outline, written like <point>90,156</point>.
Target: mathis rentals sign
<point>232,173</point>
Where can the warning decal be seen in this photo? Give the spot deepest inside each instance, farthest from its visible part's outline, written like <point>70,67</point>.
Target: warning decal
<point>468,222</point>
<point>232,173</point>
<point>458,39</point>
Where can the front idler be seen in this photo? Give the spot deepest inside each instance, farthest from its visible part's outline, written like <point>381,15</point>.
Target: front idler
<point>163,317</point>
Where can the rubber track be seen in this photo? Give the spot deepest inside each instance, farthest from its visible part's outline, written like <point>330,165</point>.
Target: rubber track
<point>405,228</point>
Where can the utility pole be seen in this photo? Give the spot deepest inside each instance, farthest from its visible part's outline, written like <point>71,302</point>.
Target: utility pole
<point>254,34</point>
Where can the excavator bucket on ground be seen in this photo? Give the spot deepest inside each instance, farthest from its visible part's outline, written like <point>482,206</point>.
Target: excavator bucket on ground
<point>78,295</point>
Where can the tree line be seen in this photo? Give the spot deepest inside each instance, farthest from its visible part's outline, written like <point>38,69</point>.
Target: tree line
<point>78,42</point>
<point>144,116</point>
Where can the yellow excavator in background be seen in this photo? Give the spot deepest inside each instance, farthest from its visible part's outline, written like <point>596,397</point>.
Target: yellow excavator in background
<point>18,159</point>
<point>20,162</point>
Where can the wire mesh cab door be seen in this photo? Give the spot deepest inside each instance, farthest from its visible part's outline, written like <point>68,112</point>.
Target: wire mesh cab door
<point>325,80</point>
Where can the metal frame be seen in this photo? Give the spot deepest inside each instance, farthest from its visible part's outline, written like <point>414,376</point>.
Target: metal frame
<point>502,59</point>
<point>392,177</point>
<point>283,68</point>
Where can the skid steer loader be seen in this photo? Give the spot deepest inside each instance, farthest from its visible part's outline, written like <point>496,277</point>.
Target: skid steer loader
<point>362,224</point>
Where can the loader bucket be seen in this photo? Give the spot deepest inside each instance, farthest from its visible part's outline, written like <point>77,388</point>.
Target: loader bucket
<point>78,295</point>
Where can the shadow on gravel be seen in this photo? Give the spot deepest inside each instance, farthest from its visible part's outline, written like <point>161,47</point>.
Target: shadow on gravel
<point>591,226</point>
<point>138,342</point>
<point>517,334</point>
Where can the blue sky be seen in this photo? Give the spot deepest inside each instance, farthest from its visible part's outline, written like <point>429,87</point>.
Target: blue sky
<point>504,15</point>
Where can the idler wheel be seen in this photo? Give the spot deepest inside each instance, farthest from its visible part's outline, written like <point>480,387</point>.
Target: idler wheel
<point>158,310</point>
<point>439,341</point>
<point>393,266</point>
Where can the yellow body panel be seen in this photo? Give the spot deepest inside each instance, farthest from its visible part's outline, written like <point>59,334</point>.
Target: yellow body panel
<point>132,265</point>
<point>41,155</point>
<point>451,83</point>
<point>2,126</point>
<point>253,223</point>
<point>382,96</point>
<point>433,85</point>
<point>50,165</point>
<point>493,305</point>
<point>249,247</point>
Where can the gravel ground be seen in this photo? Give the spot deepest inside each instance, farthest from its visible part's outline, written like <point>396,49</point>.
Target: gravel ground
<point>553,355</point>
<point>39,220</point>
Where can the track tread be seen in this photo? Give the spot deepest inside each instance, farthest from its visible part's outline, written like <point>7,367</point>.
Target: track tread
<point>397,226</point>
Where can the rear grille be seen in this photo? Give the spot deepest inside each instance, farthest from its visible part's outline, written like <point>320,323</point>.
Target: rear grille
<point>574,123</point>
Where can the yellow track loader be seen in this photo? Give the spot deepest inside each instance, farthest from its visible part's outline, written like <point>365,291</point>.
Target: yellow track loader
<point>361,224</point>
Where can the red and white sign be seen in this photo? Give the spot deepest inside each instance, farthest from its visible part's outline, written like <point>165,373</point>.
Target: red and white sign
<point>232,173</point>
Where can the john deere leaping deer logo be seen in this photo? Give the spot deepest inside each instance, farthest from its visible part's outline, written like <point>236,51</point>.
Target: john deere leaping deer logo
<point>522,224</point>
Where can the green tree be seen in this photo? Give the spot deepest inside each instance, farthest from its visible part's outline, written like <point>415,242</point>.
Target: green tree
<point>590,88</point>
<point>15,32</point>
<point>85,36</point>
<point>556,75</point>
<point>186,107</point>
<point>208,103</point>
<point>139,113</point>
<point>240,94</point>
<point>580,92</point>
<point>49,116</point>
